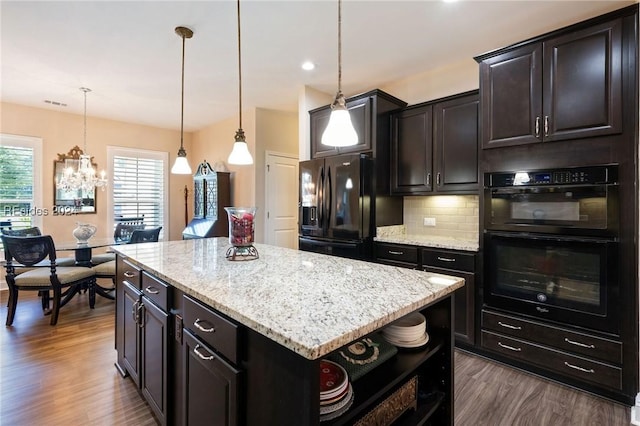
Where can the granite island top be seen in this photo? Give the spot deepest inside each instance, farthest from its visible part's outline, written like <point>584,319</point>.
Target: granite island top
<point>310,303</point>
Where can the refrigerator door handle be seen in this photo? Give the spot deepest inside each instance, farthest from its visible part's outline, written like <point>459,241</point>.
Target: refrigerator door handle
<point>329,189</point>
<point>320,198</point>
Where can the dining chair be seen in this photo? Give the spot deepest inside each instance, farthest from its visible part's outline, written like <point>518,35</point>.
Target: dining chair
<point>34,231</point>
<point>122,232</point>
<point>33,250</point>
<point>108,269</point>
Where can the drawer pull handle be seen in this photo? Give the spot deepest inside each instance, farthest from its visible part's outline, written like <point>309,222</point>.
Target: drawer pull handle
<point>511,348</point>
<point>201,328</point>
<point>582,345</point>
<point>513,327</point>
<point>399,253</point>
<point>152,290</point>
<point>575,367</point>
<point>204,357</point>
<point>445,259</point>
<point>129,274</point>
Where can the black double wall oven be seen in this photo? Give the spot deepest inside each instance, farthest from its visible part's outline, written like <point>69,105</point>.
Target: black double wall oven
<point>551,242</point>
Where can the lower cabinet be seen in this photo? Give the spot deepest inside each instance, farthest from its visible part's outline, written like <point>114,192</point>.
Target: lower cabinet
<point>142,333</point>
<point>440,261</point>
<point>210,385</point>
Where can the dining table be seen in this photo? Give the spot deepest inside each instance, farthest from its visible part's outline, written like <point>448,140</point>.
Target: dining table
<point>83,254</point>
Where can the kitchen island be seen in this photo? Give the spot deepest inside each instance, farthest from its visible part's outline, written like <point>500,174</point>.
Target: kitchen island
<point>257,330</point>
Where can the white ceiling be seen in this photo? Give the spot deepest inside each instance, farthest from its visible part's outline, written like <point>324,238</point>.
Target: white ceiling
<point>128,54</point>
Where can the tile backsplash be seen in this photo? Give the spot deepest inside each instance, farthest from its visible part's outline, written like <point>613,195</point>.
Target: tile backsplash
<point>455,215</point>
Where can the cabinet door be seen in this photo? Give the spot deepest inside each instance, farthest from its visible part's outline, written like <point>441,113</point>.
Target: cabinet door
<point>154,333</point>
<point>411,151</point>
<point>464,305</point>
<point>511,97</point>
<point>211,386</point>
<point>130,341</point>
<point>455,149</point>
<point>360,111</point>
<point>583,83</point>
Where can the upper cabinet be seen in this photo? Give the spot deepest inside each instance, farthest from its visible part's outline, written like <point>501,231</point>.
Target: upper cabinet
<point>434,147</point>
<point>369,115</point>
<point>566,86</point>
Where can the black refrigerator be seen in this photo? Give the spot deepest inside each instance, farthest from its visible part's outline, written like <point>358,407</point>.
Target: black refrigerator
<point>337,206</point>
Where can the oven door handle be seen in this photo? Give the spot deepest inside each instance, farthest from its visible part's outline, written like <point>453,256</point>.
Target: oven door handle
<point>538,237</point>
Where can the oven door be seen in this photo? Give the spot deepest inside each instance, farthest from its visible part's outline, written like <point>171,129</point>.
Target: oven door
<point>572,281</point>
<point>565,209</point>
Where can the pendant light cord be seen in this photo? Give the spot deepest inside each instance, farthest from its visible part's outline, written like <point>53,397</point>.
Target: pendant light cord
<point>182,99</point>
<point>339,46</point>
<point>239,71</point>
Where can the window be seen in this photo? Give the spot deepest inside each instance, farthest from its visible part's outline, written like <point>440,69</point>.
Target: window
<point>21,181</point>
<point>138,186</point>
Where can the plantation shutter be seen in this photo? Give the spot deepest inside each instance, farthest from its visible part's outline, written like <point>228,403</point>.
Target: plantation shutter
<point>138,189</point>
<point>17,185</point>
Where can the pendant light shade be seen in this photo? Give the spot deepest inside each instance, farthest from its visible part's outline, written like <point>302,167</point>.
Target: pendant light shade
<point>240,154</point>
<point>339,131</point>
<point>181,166</point>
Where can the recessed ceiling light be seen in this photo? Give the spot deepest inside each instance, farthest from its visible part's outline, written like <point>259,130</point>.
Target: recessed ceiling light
<point>308,65</point>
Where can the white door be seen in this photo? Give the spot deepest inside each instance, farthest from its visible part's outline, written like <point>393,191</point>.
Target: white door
<point>281,199</point>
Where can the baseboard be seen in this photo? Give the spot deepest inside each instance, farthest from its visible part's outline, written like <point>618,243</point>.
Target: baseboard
<point>635,412</point>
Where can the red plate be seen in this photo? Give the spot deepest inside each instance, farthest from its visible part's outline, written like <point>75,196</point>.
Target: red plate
<point>332,377</point>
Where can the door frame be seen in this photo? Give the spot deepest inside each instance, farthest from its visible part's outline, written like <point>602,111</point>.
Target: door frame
<point>268,155</point>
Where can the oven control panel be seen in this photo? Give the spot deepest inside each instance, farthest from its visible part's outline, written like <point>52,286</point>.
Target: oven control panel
<point>578,175</point>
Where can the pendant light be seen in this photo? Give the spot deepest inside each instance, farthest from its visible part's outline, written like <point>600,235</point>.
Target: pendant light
<point>240,154</point>
<point>181,166</point>
<point>339,131</point>
<point>80,174</point>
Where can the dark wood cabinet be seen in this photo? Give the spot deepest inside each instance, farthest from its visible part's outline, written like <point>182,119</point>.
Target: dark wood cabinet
<point>211,386</point>
<point>360,112</point>
<point>412,150</point>
<point>434,147</point>
<point>370,114</point>
<point>441,261</point>
<point>154,333</point>
<point>142,333</point>
<point>210,376</point>
<point>568,86</point>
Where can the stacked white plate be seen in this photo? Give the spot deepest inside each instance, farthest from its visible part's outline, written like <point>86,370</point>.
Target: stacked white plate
<point>336,393</point>
<point>409,331</point>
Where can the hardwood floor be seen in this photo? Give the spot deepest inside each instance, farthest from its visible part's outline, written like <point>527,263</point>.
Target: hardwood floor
<point>64,375</point>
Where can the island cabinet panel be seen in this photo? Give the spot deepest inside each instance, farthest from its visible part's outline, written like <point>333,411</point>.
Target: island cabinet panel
<point>211,386</point>
<point>142,334</point>
<point>126,328</point>
<point>566,86</point>
<point>434,147</point>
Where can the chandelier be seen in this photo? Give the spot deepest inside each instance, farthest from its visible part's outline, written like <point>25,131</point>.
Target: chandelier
<point>79,174</point>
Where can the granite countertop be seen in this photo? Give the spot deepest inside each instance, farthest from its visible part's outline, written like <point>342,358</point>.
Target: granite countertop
<point>431,241</point>
<point>310,303</point>
<point>398,234</point>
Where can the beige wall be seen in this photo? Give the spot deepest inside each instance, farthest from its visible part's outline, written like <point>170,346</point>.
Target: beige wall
<point>265,130</point>
<point>60,131</point>
<point>276,131</point>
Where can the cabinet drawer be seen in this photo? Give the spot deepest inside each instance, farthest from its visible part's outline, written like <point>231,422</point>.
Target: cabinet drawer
<point>449,260</point>
<point>128,272</point>
<point>218,332</point>
<point>398,253</point>
<point>156,291</point>
<point>565,340</point>
<point>556,361</point>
